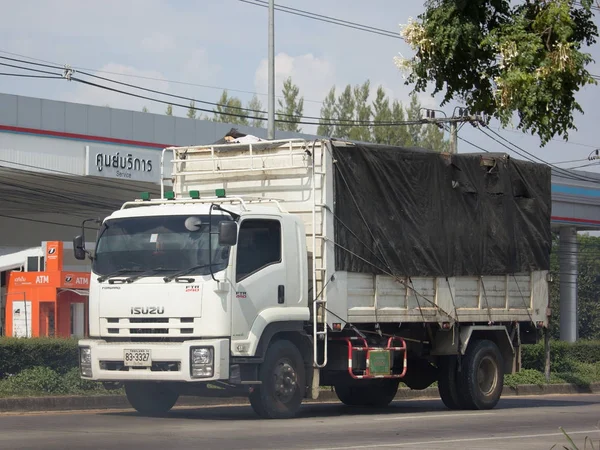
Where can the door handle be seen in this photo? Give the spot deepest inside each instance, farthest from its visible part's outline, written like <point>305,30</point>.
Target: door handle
<point>280,294</point>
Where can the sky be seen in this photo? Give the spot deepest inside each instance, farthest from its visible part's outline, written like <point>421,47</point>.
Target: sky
<point>198,48</point>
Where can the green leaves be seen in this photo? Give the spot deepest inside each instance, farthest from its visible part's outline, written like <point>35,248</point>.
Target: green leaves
<point>291,108</point>
<point>502,60</point>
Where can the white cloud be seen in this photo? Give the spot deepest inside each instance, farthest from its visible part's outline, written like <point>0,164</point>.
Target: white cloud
<point>314,77</point>
<point>199,68</point>
<point>158,43</point>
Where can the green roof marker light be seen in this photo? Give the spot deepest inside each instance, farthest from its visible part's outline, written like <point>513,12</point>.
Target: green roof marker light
<point>170,195</point>
<point>145,196</point>
<point>195,194</point>
<point>220,193</point>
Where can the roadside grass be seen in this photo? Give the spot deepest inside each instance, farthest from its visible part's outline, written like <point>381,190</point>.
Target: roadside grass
<point>43,381</point>
<point>48,366</point>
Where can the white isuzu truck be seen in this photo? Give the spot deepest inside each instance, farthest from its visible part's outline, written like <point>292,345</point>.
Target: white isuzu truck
<point>275,267</point>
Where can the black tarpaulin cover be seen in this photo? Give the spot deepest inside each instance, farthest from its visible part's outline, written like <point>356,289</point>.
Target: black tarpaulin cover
<point>412,212</point>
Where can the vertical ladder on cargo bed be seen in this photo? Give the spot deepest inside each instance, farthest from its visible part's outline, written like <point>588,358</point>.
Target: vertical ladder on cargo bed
<point>320,299</point>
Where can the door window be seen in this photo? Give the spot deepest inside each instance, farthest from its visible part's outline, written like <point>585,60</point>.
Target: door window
<point>259,246</point>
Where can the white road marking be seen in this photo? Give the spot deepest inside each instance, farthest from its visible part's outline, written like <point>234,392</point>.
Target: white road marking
<point>434,416</point>
<point>451,441</point>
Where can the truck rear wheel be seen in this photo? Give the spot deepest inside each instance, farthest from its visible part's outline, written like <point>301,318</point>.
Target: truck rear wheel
<point>482,376</point>
<point>150,399</point>
<point>372,393</point>
<point>283,380</point>
<point>448,382</point>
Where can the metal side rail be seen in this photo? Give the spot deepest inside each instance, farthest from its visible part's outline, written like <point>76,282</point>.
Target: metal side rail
<point>378,359</point>
<point>319,335</point>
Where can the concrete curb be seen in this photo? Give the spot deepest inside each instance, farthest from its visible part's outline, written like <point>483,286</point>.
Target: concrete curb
<point>76,403</point>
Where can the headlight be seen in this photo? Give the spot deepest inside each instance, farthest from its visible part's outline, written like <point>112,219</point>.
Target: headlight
<point>201,356</point>
<point>85,361</point>
<point>201,362</point>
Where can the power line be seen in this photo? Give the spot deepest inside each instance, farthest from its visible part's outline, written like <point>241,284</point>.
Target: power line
<point>348,122</point>
<point>327,19</point>
<point>143,77</point>
<point>474,145</point>
<point>49,222</point>
<point>27,68</point>
<point>563,172</point>
<point>584,165</point>
<point>24,75</point>
<point>569,161</point>
<point>562,141</point>
<point>154,91</point>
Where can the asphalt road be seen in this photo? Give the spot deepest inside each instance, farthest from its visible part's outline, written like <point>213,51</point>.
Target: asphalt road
<point>516,423</point>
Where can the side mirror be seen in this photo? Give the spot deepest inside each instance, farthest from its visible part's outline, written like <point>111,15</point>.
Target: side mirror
<point>79,248</point>
<point>228,233</point>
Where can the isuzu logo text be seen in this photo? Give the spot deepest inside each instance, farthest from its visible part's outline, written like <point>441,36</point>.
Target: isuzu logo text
<point>147,310</point>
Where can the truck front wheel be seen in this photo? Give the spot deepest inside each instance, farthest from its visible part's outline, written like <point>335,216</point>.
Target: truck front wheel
<point>150,399</point>
<point>372,393</point>
<point>283,382</point>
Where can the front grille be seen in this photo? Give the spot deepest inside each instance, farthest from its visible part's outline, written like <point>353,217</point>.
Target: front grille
<point>157,366</point>
<point>149,330</point>
<point>152,326</point>
<point>149,320</point>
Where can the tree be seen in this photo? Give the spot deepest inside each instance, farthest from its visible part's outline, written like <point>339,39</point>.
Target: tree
<point>191,111</point>
<point>432,138</point>
<point>169,111</point>
<point>327,116</point>
<point>588,290</point>
<point>382,114</point>
<point>362,113</point>
<point>256,105</point>
<point>399,133</point>
<point>144,109</point>
<point>344,112</point>
<point>524,60</point>
<point>291,108</point>
<point>228,106</point>
<point>413,112</point>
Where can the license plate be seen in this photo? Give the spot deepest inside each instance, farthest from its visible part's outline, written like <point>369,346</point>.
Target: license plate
<point>379,362</point>
<point>137,358</point>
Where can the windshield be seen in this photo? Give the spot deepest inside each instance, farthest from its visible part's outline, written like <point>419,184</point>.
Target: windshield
<point>161,243</point>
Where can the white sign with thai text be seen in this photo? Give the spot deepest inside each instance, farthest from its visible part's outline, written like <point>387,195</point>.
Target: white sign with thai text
<point>123,163</point>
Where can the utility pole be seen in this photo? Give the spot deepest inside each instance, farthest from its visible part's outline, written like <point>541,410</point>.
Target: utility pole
<point>453,122</point>
<point>453,137</point>
<point>271,107</point>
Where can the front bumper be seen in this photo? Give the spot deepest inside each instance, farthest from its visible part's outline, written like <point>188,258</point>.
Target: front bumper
<point>171,361</point>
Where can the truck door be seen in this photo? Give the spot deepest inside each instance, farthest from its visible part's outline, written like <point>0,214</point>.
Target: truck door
<point>260,272</point>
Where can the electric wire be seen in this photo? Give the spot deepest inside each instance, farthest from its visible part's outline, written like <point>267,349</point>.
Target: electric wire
<point>326,19</point>
<point>559,170</point>
<point>143,77</point>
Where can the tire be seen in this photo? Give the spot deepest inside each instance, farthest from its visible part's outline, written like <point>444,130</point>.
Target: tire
<point>369,393</point>
<point>151,399</point>
<point>283,378</point>
<point>482,377</point>
<point>448,382</point>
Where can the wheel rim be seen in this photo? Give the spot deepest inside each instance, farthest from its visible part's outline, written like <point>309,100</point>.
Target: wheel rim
<point>487,375</point>
<point>285,381</point>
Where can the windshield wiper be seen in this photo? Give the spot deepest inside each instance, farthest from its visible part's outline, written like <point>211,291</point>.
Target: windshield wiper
<point>115,273</point>
<point>146,273</point>
<point>176,275</point>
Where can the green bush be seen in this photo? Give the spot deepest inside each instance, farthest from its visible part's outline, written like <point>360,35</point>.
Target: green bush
<point>585,351</point>
<point>583,375</point>
<point>564,356</point>
<point>19,354</point>
<point>40,381</point>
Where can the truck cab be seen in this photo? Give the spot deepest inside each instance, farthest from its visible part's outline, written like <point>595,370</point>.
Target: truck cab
<point>180,288</point>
